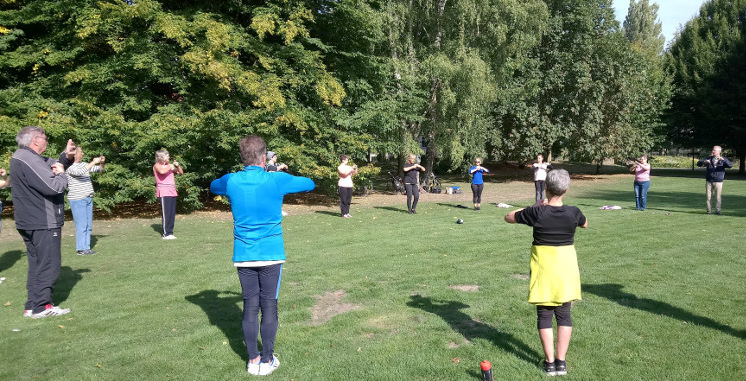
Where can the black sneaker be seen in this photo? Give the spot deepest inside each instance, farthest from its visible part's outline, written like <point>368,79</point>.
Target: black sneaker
<point>550,369</point>
<point>561,367</point>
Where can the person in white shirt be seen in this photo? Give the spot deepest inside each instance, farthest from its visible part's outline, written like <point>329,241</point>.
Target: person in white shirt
<point>80,195</point>
<point>540,175</point>
<point>344,185</point>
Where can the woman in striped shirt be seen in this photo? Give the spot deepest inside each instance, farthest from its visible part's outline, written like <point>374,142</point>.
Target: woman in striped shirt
<point>80,196</point>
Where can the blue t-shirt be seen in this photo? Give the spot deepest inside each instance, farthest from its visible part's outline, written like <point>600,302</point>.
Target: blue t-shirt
<point>477,179</point>
<point>256,202</point>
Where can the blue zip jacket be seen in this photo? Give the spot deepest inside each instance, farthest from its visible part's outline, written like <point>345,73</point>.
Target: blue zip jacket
<point>256,202</point>
<point>715,173</point>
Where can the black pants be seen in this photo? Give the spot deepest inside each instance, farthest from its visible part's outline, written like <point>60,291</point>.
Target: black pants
<point>345,199</point>
<point>261,287</point>
<point>544,316</point>
<point>168,214</point>
<point>476,190</point>
<point>44,253</point>
<point>540,192</point>
<point>413,192</point>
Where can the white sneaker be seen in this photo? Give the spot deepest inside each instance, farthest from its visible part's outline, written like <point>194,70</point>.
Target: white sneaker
<point>51,310</point>
<point>26,313</point>
<point>266,368</point>
<point>253,369</point>
<point>169,237</point>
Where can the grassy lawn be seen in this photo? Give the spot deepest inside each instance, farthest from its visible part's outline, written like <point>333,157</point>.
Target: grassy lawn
<point>390,296</point>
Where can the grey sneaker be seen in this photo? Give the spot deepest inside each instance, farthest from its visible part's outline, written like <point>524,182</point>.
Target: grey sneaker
<point>50,310</point>
<point>266,368</point>
<point>86,252</point>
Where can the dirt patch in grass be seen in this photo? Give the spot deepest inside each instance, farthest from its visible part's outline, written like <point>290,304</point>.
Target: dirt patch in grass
<point>520,276</point>
<point>465,287</point>
<point>330,305</point>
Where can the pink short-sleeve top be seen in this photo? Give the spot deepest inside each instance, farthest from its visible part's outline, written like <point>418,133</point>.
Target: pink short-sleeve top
<point>165,184</point>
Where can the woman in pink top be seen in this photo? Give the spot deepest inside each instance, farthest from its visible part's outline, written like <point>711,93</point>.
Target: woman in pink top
<point>165,190</point>
<point>641,168</point>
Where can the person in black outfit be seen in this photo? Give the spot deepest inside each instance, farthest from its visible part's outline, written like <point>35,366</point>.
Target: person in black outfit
<point>412,182</point>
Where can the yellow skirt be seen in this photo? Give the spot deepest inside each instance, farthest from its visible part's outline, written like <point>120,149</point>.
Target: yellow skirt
<point>555,278</point>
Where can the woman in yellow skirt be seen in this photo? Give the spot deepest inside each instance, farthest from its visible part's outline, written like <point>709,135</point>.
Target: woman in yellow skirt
<point>555,279</point>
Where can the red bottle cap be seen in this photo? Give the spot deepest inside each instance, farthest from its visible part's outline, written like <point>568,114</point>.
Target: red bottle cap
<point>485,365</point>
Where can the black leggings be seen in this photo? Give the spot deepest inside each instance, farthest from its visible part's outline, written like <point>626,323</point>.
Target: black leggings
<point>413,191</point>
<point>544,316</point>
<point>168,213</point>
<point>345,199</point>
<point>476,189</point>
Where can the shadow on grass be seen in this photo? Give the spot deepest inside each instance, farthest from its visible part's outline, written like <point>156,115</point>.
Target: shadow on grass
<point>450,312</point>
<point>393,208</point>
<point>9,259</point>
<point>328,213</point>
<point>223,312</point>
<point>614,293</point>
<point>672,201</point>
<point>66,282</point>
<point>158,228</point>
<point>447,205</point>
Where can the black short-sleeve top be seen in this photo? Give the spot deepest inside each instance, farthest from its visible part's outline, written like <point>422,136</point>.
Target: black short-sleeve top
<point>553,225</point>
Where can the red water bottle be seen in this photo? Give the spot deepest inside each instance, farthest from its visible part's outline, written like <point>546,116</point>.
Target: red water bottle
<point>486,371</point>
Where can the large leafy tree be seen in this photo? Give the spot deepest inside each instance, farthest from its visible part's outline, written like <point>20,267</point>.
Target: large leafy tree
<point>706,62</point>
<point>127,78</point>
<point>581,91</point>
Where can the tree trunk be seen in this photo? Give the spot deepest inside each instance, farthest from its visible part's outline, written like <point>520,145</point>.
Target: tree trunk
<point>741,158</point>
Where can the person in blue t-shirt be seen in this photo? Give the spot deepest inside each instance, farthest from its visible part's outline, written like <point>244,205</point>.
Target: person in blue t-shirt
<point>477,183</point>
<point>256,197</point>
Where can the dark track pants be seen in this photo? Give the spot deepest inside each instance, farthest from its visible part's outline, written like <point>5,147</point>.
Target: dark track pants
<point>168,214</point>
<point>261,287</point>
<point>345,199</point>
<point>43,250</point>
<point>413,195</point>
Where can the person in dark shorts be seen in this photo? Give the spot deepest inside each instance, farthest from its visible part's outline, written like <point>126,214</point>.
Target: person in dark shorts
<point>555,278</point>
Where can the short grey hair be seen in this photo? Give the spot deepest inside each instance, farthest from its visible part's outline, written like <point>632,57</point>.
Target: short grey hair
<point>27,134</point>
<point>160,155</point>
<point>558,181</point>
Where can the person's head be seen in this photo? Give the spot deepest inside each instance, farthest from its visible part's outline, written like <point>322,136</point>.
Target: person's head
<point>253,150</point>
<point>344,159</point>
<point>411,158</point>
<point>716,150</point>
<point>478,160</point>
<point>32,137</point>
<point>78,154</point>
<point>558,181</point>
<point>162,156</point>
<point>644,159</point>
<point>271,157</point>
<point>539,158</point>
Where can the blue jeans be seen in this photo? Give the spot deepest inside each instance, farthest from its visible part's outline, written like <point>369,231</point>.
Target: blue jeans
<point>83,218</point>
<point>641,194</point>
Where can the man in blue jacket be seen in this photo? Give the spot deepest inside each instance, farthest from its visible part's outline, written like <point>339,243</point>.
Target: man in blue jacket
<point>37,188</point>
<point>258,249</point>
<point>716,165</point>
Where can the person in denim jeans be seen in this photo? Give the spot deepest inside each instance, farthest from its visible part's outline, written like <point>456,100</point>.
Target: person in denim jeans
<point>641,168</point>
<point>80,196</point>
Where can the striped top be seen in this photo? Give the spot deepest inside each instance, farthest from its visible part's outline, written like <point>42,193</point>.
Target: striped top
<point>79,184</point>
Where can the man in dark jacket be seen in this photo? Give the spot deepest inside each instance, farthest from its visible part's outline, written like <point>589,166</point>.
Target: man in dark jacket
<point>37,188</point>
<point>716,165</point>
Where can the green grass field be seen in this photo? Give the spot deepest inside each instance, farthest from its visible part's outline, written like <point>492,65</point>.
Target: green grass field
<point>390,296</point>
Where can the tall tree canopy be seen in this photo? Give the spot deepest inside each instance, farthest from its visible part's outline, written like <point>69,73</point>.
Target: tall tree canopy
<point>706,62</point>
<point>642,27</point>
